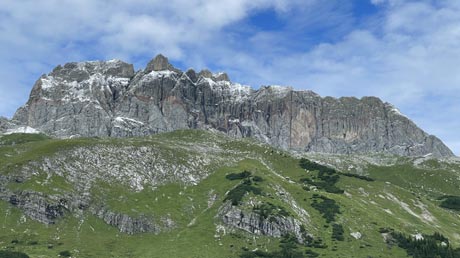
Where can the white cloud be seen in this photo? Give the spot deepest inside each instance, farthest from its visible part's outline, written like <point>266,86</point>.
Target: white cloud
<point>125,27</point>
<point>37,36</point>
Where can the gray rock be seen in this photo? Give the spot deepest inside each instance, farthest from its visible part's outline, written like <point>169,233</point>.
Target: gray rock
<point>5,124</point>
<point>42,208</point>
<point>107,99</point>
<point>82,71</point>
<point>221,77</point>
<point>38,207</point>
<point>159,63</point>
<point>48,209</point>
<point>251,222</point>
<point>205,73</point>
<point>128,224</point>
<point>192,75</point>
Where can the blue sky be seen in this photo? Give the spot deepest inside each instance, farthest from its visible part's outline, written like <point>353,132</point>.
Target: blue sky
<point>405,52</point>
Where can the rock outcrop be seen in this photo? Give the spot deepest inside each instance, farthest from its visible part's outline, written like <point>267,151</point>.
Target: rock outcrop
<point>5,125</point>
<point>36,206</point>
<point>48,209</point>
<point>131,225</point>
<point>254,223</point>
<point>109,99</point>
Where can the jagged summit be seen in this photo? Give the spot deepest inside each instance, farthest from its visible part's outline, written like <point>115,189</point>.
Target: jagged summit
<point>110,99</point>
<point>159,63</point>
<point>221,76</point>
<point>80,71</point>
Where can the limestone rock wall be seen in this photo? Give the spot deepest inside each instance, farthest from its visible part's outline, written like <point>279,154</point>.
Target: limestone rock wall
<point>110,99</point>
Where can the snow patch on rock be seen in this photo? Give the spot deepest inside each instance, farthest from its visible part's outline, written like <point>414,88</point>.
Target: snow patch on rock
<point>24,129</point>
<point>159,74</point>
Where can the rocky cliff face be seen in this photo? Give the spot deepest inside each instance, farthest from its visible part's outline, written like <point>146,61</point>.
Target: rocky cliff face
<point>111,99</point>
<point>251,222</point>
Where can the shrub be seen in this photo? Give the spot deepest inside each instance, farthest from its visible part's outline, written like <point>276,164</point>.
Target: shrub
<point>256,254</point>
<point>429,246</point>
<point>385,230</point>
<point>327,207</point>
<point>317,243</point>
<point>238,176</point>
<point>267,209</point>
<point>311,254</point>
<point>257,179</point>
<point>366,178</point>
<point>311,165</point>
<point>328,177</point>
<point>11,254</point>
<point>236,194</point>
<point>451,202</point>
<point>337,232</point>
<point>65,253</point>
<point>288,249</point>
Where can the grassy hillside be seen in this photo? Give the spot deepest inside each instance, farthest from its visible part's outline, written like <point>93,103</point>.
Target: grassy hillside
<point>194,166</point>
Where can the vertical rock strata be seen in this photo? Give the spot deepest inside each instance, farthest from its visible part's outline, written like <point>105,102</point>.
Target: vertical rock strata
<point>110,99</point>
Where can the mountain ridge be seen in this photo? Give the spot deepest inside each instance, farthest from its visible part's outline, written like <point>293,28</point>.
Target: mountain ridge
<point>110,99</point>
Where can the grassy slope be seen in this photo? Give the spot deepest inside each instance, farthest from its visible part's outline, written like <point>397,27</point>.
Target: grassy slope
<point>366,206</point>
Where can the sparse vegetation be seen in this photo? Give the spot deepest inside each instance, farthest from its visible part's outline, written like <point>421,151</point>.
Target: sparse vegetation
<point>312,166</point>
<point>236,194</point>
<point>288,248</point>
<point>311,254</point>
<point>326,179</point>
<point>317,243</point>
<point>384,230</point>
<point>65,254</point>
<point>266,210</point>
<point>365,178</point>
<point>337,232</point>
<point>238,176</point>
<point>451,202</point>
<point>257,179</point>
<point>20,138</point>
<point>327,207</point>
<point>427,246</point>
<point>12,254</point>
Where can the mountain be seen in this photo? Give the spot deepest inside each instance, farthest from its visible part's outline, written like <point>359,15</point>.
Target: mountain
<point>194,193</point>
<point>110,99</point>
<point>103,161</point>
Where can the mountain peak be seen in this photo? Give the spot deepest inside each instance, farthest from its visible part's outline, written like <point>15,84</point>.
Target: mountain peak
<point>159,63</point>
<point>80,71</point>
<point>221,76</point>
<point>205,73</point>
<point>109,99</point>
